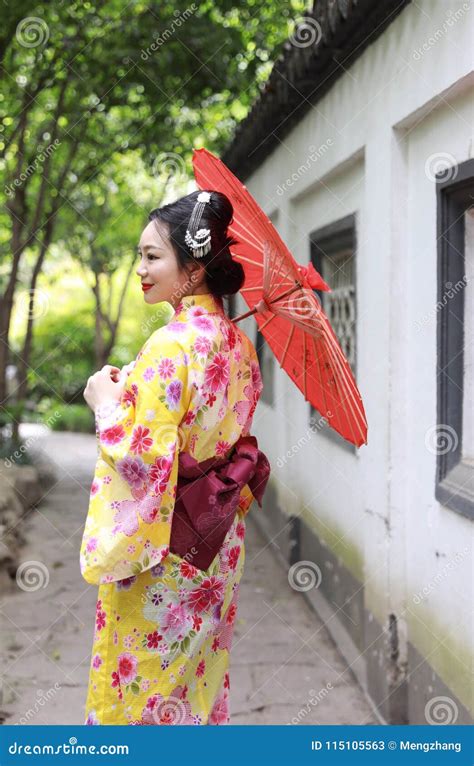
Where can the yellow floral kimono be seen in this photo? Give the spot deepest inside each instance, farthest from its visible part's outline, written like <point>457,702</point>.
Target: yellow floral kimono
<point>163,628</point>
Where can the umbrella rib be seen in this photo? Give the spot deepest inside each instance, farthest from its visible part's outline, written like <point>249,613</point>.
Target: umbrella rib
<point>356,415</point>
<point>287,344</point>
<point>338,355</point>
<point>267,321</point>
<point>342,398</point>
<point>248,260</point>
<point>322,386</point>
<point>304,365</point>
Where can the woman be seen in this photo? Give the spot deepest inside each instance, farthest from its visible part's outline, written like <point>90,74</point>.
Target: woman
<point>164,625</point>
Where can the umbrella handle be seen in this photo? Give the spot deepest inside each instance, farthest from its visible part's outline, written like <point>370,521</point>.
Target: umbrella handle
<point>257,307</point>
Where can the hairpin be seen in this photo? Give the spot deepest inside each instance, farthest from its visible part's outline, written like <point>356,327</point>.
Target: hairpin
<point>198,240</point>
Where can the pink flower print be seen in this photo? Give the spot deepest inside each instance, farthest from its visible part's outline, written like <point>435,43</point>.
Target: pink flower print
<point>188,570</point>
<point>112,435</point>
<point>133,470</point>
<point>100,618</point>
<point>173,394</point>
<point>222,448</point>
<point>175,621</point>
<point>217,373</point>
<point>94,487</point>
<point>234,556</point>
<point>148,374</point>
<point>203,323</point>
<point>91,544</point>
<point>231,614</point>
<point>126,518</point>
<point>153,639</point>
<point>230,336</point>
<point>96,661</point>
<point>128,397</point>
<point>189,418</point>
<point>176,327</point>
<point>140,441</point>
<point>201,668</point>
<point>202,345</point>
<point>240,530</point>
<point>242,410</point>
<point>208,594</point>
<point>197,311</point>
<point>168,711</point>
<point>166,368</point>
<point>211,399</point>
<point>107,479</point>
<point>256,376</point>
<point>161,468</point>
<point>127,667</point>
<point>220,712</point>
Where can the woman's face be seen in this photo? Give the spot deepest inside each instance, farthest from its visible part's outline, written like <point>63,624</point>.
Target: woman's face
<point>158,268</point>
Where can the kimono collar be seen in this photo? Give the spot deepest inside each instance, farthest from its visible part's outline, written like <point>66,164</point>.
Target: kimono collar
<point>206,301</point>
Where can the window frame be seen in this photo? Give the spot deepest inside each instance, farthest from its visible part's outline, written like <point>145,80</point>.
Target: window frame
<point>454,195</point>
<point>327,240</point>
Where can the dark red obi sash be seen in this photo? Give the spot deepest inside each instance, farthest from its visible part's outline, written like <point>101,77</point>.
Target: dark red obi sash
<point>207,497</point>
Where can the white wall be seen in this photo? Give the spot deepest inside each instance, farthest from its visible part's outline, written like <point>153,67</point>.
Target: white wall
<point>379,132</point>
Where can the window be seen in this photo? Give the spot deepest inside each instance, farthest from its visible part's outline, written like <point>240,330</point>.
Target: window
<point>454,436</point>
<point>266,361</point>
<point>333,254</point>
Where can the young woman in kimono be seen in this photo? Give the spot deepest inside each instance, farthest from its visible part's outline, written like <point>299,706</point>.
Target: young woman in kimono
<point>163,627</point>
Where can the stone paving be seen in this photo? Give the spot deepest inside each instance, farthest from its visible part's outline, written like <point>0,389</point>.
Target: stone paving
<point>285,668</point>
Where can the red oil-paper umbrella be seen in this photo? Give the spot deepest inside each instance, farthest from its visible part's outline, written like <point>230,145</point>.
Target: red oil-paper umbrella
<point>280,293</point>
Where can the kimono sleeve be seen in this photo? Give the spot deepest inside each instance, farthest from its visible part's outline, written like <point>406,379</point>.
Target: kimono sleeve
<point>128,526</point>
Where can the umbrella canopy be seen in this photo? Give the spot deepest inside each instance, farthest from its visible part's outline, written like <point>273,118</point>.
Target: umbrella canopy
<point>280,293</point>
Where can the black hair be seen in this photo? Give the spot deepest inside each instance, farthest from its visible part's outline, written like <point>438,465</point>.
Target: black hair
<point>224,276</point>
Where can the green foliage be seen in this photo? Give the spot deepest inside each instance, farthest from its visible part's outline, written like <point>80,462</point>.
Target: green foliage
<point>100,107</point>
<point>66,417</point>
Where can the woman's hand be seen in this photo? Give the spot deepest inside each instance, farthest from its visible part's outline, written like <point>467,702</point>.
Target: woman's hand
<point>104,386</point>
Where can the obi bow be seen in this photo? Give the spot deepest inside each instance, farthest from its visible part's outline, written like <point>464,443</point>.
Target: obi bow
<point>207,497</point>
